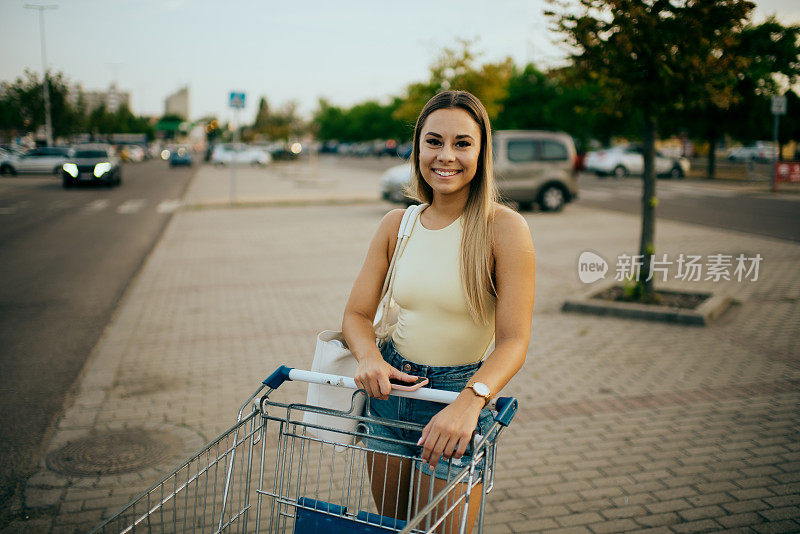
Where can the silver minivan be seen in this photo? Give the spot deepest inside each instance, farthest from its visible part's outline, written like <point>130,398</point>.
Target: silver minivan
<point>531,167</point>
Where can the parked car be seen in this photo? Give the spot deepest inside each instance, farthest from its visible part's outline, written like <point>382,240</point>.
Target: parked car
<point>226,154</point>
<point>622,161</point>
<point>760,151</point>
<point>133,153</point>
<point>44,160</point>
<point>92,164</point>
<point>531,167</point>
<point>180,158</point>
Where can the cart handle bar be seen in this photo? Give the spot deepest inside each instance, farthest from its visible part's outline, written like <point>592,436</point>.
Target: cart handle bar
<point>506,407</point>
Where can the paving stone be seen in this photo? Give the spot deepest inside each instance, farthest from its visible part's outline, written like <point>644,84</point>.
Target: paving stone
<point>706,525</point>
<point>533,525</point>
<point>740,520</point>
<point>779,526</point>
<point>656,520</point>
<point>42,498</point>
<point>745,506</point>
<point>777,514</point>
<point>579,519</point>
<point>619,525</point>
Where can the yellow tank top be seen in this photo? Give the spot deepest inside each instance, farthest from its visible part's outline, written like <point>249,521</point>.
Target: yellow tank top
<point>434,326</point>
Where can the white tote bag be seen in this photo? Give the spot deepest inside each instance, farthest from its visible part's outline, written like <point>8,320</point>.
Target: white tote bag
<point>332,356</point>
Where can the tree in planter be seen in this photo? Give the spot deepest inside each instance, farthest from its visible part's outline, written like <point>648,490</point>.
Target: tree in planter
<point>658,57</point>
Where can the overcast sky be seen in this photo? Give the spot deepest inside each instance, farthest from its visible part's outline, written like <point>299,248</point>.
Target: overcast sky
<point>345,51</point>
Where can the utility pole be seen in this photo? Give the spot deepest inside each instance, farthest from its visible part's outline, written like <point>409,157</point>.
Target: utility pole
<point>48,126</point>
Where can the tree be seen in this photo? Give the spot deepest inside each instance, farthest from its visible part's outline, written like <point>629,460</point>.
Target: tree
<point>282,123</point>
<point>24,106</point>
<point>456,69</point>
<point>769,58</point>
<point>658,57</point>
<point>561,99</point>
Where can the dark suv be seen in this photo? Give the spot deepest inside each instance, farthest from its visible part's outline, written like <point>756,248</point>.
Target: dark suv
<point>91,165</point>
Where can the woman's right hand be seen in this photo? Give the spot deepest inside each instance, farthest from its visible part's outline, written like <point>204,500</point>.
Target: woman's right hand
<point>373,374</point>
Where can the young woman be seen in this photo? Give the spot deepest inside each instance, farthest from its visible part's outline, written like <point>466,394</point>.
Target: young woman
<point>465,280</point>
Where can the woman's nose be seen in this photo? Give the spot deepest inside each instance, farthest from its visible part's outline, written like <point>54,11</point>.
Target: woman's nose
<point>446,154</point>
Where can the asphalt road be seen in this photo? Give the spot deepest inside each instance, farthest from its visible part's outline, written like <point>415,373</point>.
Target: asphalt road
<point>732,206</point>
<point>66,257</point>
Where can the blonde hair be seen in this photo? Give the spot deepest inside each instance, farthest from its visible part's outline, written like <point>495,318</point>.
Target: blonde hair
<point>477,239</point>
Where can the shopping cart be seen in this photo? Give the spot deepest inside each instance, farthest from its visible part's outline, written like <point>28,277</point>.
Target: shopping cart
<point>270,472</point>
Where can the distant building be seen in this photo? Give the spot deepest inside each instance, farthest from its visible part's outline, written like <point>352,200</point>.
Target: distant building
<point>178,103</point>
<point>113,98</point>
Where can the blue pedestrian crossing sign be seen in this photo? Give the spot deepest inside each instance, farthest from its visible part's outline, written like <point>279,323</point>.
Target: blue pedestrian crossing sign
<point>236,100</point>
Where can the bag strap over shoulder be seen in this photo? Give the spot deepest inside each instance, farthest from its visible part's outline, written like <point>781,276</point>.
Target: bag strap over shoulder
<point>403,232</point>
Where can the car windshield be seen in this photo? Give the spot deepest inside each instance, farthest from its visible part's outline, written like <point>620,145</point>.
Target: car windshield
<point>91,154</point>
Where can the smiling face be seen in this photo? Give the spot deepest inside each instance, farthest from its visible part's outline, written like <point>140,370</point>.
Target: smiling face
<point>449,151</point>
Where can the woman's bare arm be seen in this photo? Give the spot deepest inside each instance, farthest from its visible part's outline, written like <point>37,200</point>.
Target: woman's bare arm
<point>449,431</point>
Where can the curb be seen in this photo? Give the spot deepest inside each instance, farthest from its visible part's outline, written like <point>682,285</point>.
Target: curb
<point>704,315</point>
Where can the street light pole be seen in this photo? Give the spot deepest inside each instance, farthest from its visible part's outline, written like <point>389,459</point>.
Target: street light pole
<point>48,126</point>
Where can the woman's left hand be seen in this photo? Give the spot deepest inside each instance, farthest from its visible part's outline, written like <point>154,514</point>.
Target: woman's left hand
<point>449,432</point>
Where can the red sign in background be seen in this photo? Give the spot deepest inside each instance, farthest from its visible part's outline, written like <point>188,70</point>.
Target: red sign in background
<point>787,171</point>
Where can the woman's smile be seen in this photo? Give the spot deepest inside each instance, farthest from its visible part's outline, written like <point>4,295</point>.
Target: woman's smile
<point>446,173</point>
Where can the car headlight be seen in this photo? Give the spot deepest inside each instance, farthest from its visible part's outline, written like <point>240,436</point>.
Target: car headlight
<point>71,169</point>
<point>101,168</point>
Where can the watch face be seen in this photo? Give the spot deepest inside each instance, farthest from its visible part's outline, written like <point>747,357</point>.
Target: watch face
<point>481,389</point>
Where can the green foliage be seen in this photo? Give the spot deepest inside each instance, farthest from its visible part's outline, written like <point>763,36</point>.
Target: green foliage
<point>23,104</point>
<point>22,110</point>
<point>561,99</point>
<point>457,69</point>
<point>362,122</point>
<point>657,55</point>
<point>280,124</point>
<point>769,59</point>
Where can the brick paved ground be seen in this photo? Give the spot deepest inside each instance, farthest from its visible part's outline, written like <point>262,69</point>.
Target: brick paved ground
<point>623,425</point>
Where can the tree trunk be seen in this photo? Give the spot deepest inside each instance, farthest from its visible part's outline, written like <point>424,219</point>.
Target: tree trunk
<point>649,202</point>
<point>711,170</point>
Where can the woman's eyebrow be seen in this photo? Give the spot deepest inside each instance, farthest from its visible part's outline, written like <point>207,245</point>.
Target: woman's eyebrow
<point>460,136</point>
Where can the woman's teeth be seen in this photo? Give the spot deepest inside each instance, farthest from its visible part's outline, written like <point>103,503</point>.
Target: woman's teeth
<point>446,173</point>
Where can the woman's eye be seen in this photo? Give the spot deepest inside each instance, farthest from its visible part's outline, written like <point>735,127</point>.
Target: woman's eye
<point>463,144</point>
<point>433,142</point>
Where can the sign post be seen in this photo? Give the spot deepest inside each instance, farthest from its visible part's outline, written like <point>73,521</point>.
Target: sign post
<point>236,102</point>
<point>778,109</point>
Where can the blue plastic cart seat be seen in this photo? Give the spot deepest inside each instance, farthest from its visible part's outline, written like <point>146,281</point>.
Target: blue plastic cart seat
<point>320,517</point>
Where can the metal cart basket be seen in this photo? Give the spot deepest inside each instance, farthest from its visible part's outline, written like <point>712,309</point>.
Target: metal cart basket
<point>271,472</point>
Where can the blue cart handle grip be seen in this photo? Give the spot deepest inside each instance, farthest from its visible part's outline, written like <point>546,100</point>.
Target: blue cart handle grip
<point>506,410</point>
<point>278,377</point>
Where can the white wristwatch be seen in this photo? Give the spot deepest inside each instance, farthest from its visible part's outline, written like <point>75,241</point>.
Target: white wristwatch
<point>481,390</point>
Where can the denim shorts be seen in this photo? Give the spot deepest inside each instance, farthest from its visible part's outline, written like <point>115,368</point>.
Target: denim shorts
<point>451,378</point>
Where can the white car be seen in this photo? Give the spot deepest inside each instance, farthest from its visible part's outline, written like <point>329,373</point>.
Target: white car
<point>622,161</point>
<point>43,160</point>
<point>761,152</point>
<point>226,154</point>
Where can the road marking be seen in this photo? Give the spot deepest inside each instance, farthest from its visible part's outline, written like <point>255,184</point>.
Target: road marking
<point>168,206</point>
<point>61,205</point>
<point>131,206</point>
<point>96,205</point>
<point>787,197</point>
<point>10,210</point>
